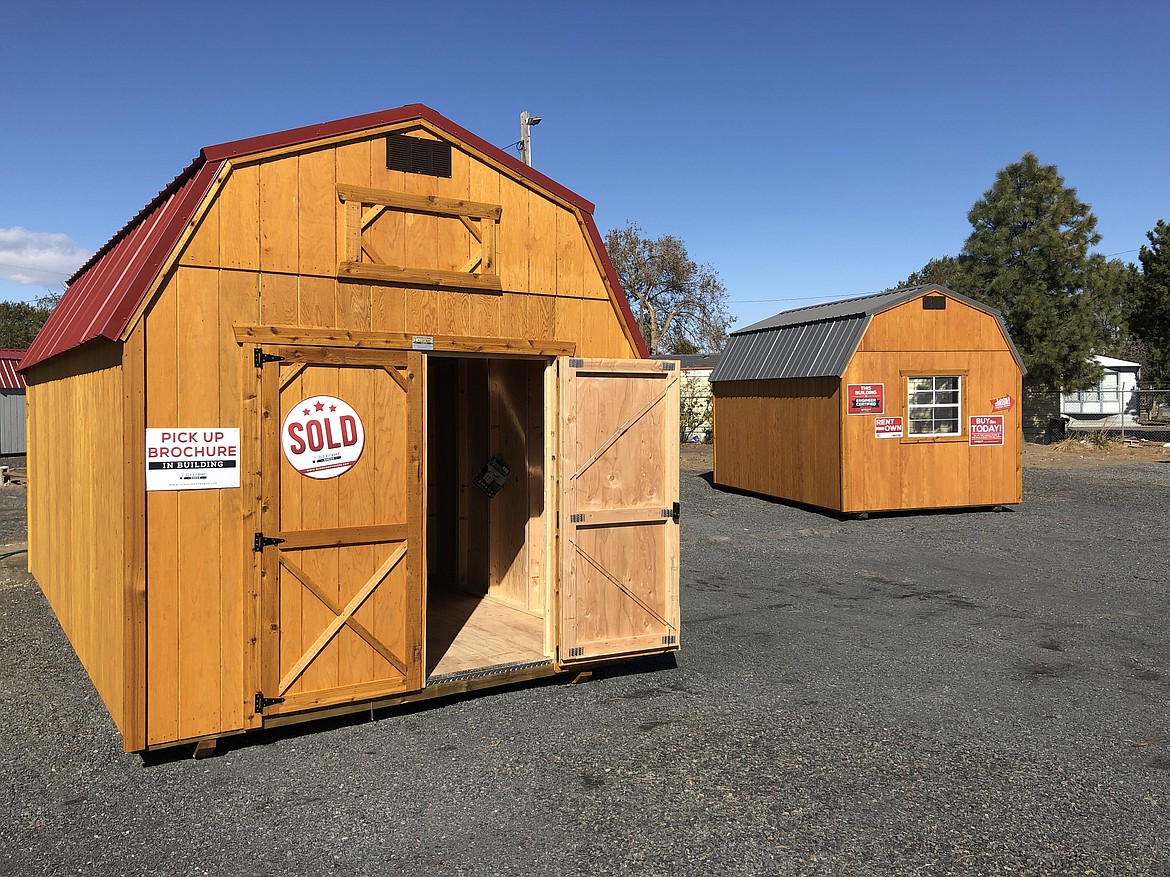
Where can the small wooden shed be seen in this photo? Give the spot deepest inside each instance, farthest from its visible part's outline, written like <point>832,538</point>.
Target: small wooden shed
<point>12,398</point>
<point>908,399</point>
<point>347,416</point>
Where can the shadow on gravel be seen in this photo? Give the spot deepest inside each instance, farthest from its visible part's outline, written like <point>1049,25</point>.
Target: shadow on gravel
<point>226,745</point>
<point>709,477</point>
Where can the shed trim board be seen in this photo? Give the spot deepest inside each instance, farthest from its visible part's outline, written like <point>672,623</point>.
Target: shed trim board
<point>784,428</point>
<point>226,305</point>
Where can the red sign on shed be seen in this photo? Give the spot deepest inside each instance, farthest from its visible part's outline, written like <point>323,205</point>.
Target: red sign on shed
<point>985,429</point>
<point>867,398</point>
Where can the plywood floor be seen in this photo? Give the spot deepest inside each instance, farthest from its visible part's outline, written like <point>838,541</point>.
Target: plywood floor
<point>470,633</point>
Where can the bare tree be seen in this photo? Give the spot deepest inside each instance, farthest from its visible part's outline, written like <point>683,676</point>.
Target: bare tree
<point>680,305</point>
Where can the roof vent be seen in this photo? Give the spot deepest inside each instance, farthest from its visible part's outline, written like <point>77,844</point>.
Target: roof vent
<point>414,155</point>
<point>934,302</point>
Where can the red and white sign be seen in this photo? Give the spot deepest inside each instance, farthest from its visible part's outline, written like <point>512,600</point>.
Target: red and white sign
<point>887,427</point>
<point>985,429</point>
<point>867,398</point>
<point>322,437</point>
<point>1002,403</point>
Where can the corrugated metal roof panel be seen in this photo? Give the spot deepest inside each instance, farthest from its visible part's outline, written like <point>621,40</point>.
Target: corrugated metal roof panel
<point>10,378</point>
<point>102,297</point>
<point>103,294</point>
<point>819,341</point>
<point>814,350</point>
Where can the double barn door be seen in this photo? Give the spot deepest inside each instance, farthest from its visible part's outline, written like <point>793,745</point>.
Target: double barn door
<point>342,553</point>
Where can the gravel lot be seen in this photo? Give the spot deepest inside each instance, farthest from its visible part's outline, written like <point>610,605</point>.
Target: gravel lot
<point>971,693</point>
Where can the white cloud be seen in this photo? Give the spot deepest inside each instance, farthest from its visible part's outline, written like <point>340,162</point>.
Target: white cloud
<point>38,258</point>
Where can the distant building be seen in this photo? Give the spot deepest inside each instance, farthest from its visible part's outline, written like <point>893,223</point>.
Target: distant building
<point>695,406</point>
<point>1112,402</point>
<point>12,393</point>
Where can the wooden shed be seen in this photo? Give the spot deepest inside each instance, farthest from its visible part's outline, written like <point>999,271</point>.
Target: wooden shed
<point>903,400</point>
<point>12,396</point>
<point>347,416</point>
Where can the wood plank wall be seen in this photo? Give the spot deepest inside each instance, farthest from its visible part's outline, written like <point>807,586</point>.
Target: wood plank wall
<point>937,472</point>
<point>76,524</point>
<point>267,251</point>
<point>780,438</point>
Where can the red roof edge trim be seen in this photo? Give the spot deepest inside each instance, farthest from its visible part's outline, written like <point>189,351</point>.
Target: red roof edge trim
<point>171,187</point>
<point>619,293</point>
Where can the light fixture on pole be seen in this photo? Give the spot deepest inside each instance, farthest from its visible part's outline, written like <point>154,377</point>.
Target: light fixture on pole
<point>526,123</point>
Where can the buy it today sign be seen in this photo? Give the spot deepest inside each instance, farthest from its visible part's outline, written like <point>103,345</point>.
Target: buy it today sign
<point>985,429</point>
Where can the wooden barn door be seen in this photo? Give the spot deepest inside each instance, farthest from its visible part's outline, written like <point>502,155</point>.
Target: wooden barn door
<point>619,514</point>
<point>341,593</point>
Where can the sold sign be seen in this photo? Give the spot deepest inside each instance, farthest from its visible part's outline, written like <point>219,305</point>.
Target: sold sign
<point>322,437</point>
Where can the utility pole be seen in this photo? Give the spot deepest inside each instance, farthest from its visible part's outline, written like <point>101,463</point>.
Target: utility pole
<point>526,123</point>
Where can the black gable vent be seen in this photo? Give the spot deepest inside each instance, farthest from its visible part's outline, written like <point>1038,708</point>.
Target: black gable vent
<point>413,155</point>
<point>934,302</point>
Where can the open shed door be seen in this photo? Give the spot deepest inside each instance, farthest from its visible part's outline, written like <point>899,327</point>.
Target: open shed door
<point>343,559</point>
<point>619,508</point>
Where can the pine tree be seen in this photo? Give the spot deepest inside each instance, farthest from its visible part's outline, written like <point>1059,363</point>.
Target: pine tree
<point>1150,320</point>
<point>1028,256</point>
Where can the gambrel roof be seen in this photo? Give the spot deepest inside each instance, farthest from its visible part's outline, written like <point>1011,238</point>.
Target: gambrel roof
<point>104,294</point>
<point>818,341</point>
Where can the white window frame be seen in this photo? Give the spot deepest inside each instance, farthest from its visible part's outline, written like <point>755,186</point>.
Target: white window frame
<point>956,406</point>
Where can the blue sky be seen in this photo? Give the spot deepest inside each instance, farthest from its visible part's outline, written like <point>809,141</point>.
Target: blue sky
<point>807,151</point>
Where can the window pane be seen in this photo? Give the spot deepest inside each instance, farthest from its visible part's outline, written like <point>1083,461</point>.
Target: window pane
<point>947,383</point>
<point>934,405</point>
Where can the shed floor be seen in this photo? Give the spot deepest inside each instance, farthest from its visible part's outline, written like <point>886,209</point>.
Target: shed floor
<point>465,632</point>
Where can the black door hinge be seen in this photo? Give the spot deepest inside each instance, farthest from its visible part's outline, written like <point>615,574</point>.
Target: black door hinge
<point>260,542</point>
<point>262,701</point>
<point>261,357</point>
<point>676,513</point>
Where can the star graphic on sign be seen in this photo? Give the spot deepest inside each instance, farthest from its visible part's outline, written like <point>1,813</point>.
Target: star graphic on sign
<point>332,407</point>
<point>306,412</point>
<point>319,406</point>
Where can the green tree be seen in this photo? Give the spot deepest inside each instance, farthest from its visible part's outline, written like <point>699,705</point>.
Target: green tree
<point>1150,320</point>
<point>680,305</point>
<point>20,321</point>
<point>1028,256</point>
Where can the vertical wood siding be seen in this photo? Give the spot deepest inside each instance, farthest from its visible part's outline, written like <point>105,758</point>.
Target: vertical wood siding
<point>74,507</point>
<point>780,438</point>
<point>266,251</point>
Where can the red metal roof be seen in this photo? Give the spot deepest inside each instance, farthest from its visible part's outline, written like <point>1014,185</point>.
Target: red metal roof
<point>103,295</point>
<point>10,378</point>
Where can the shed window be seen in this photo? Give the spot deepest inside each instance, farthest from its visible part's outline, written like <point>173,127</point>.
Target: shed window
<point>933,404</point>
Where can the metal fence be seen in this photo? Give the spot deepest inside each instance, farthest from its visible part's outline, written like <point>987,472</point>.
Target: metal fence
<point>695,420</point>
<point>1128,413</point>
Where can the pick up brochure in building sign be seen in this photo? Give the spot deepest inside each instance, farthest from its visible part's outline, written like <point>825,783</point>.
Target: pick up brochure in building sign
<point>182,458</point>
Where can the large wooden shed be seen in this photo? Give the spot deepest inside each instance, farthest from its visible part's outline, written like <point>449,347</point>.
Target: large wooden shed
<point>349,415</point>
<point>908,399</point>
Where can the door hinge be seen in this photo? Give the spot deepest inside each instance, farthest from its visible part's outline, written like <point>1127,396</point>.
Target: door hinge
<point>576,363</point>
<point>668,366</point>
<point>578,518</point>
<point>260,542</point>
<point>261,357</point>
<point>262,701</point>
<point>674,513</point>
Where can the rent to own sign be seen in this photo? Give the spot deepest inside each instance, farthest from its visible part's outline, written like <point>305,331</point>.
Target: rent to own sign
<point>867,398</point>
<point>985,429</point>
<point>192,459</point>
<point>322,437</point>
<point>887,427</point>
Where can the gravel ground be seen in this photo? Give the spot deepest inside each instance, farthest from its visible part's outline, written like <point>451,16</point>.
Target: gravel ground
<point>972,693</point>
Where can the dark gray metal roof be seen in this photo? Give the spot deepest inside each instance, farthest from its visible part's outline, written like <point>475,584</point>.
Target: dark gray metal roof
<point>818,341</point>
<point>690,360</point>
